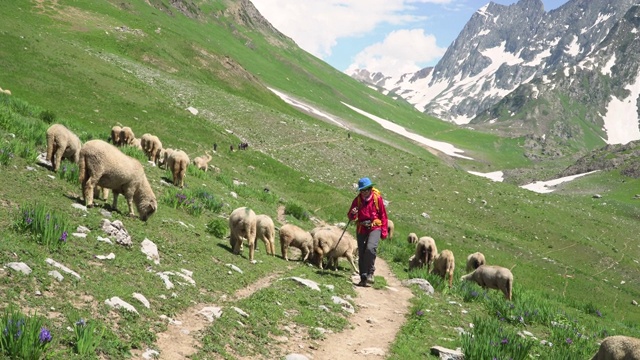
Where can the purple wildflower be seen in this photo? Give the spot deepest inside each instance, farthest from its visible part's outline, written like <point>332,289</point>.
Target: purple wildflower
<point>45,335</point>
<point>48,217</point>
<point>474,293</point>
<point>29,221</point>
<point>504,341</point>
<point>598,313</point>
<point>419,312</point>
<point>63,237</point>
<point>569,341</point>
<point>81,322</point>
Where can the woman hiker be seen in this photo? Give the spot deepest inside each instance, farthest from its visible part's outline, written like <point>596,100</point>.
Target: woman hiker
<point>367,209</point>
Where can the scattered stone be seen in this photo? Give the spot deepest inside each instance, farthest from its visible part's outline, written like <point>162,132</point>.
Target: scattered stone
<point>423,284</point>
<point>330,287</point>
<point>192,110</point>
<point>62,267</point>
<point>234,268</point>
<point>346,306</point>
<point>117,230</point>
<point>597,196</point>
<point>151,250</point>
<point>233,195</point>
<point>83,229</point>
<point>295,356</point>
<point>142,299</point>
<point>165,277</point>
<point>211,312</point>
<point>372,351</point>
<point>31,168</point>
<point>42,160</point>
<point>240,311</point>
<point>425,215</point>
<point>105,213</point>
<point>56,275</point>
<point>323,308</point>
<point>20,267</point>
<point>79,206</point>
<point>107,240</point>
<point>111,256</point>
<point>183,276</point>
<point>117,303</point>
<point>38,293</point>
<point>633,302</point>
<point>448,354</point>
<point>306,282</point>
<point>79,235</point>
<point>150,354</point>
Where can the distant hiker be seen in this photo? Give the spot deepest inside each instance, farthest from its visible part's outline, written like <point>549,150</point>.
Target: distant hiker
<point>215,146</point>
<point>348,135</point>
<point>367,209</point>
<point>231,148</point>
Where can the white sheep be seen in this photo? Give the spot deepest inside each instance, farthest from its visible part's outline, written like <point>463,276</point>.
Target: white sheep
<point>177,162</point>
<point>334,243</point>
<point>426,252</point>
<point>412,238</point>
<point>265,230</point>
<point>618,347</point>
<point>102,164</point>
<point>445,264</point>
<point>202,162</point>
<point>292,235</point>
<point>164,157</point>
<point>115,135</point>
<point>126,136</point>
<point>492,277</point>
<point>154,147</point>
<point>62,144</point>
<point>242,224</point>
<point>475,260</point>
<point>390,229</point>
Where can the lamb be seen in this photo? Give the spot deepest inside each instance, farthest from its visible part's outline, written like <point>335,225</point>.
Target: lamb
<point>265,230</point>
<point>102,164</point>
<point>115,135</point>
<point>412,238</point>
<point>445,264</point>
<point>475,260</point>
<point>126,136</point>
<point>492,277</point>
<point>202,162</point>
<point>292,235</point>
<point>426,252</point>
<point>62,143</point>
<point>390,228</point>
<point>242,224</point>
<point>177,162</point>
<point>335,243</point>
<point>618,347</point>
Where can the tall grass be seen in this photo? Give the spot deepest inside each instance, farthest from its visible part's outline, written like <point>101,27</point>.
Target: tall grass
<point>45,226</point>
<point>22,336</point>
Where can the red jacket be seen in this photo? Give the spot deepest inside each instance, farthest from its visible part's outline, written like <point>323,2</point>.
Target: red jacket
<point>367,211</point>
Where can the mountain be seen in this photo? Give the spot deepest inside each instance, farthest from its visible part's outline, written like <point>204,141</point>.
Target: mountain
<point>561,78</point>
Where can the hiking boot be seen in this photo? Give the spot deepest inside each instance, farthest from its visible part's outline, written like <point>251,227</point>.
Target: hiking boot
<point>363,283</point>
<point>370,279</point>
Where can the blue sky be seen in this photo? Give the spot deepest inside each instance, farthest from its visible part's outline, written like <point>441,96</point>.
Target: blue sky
<point>391,36</point>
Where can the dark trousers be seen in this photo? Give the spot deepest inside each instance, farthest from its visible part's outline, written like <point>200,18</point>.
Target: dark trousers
<point>367,252</point>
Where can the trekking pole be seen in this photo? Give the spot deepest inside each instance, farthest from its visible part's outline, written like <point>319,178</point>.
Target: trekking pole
<point>345,230</point>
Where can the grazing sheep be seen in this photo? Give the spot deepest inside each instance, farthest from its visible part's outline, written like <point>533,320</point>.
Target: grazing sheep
<point>126,136</point>
<point>136,143</point>
<point>335,243</point>
<point>115,135</point>
<point>292,235</point>
<point>492,277</point>
<point>102,164</point>
<point>62,144</point>
<point>390,228</point>
<point>426,252</point>
<point>144,141</point>
<point>412,238</point>
<point>164,156</point>
<point>618,347</point>
<point>242,224</point>
<point>475,260</point>
<point>154,147</point>
<point>445,264</point>
<point>265,230</point>
<point>202,162</point>
<point>177,162</point>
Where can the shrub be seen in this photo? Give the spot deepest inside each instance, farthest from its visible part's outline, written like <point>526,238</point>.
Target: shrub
<point>296,211</point>
<point>218,227</point>
<point>48,116</point>
<point>87,334</point>
<point>23,337</point>
<point>69,172</point>
<point>48,228</point>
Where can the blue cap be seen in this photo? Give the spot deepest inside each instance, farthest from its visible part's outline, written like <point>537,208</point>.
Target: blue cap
<point>364,183</point>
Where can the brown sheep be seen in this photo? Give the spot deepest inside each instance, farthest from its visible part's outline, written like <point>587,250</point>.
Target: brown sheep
<point>292,235</point>
<point>426,252</point>
<point>62,144</point>
<point>390,228</point>
<point>242,224</point>
<point>202,162</point>
<point>475,260</point>
<point>618,347</point>
<point>335,243</point>
<point>126,136</point>
<point>177,162</point>
<point>115,135</point>
<point>102,164</point>
<point>492,277</point>
<point>265,230</point>
<point>412,238</point>
<point>444,265</point>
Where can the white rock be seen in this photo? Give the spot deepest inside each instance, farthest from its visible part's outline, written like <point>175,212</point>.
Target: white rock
<point>62,267</point>
<point>240,311</point>
<point>117,303</point>
<point>111,256</point>
<point>56,275</point>
<point>306,282</point>
<point>234,268</point>
<point>83,229</point>
<point>79,206</point>
<point>107,240</point>
<point>20,267</point>
<point>151,250</point>
<point>211,312</point>
<point>79,235</point>
<point>192,110</point>
<point>142,299</point>
<point>165,277</point>
<point>150,354</point>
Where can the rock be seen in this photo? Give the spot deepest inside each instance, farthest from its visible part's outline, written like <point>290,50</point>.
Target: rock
<point>306,282</point>
<point>423,284</point>
<point>296,357</point>
<point>240,311</point>
<point>20,267</point>
<point>633,302</point>
<point>151,250</point>
<point>56,275</point>
<point>211,313</point>
<point>372,351</point>
<point>111,256</point>
<point>346,306</point>
<point>150,354</point>
<point>234,268</point>
<point>62,267</point>
<point>117,303</point>
<point>447,354</point>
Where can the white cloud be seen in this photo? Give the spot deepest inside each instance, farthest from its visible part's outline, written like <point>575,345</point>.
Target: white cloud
<point>399,53</point>
<point>315,25</point>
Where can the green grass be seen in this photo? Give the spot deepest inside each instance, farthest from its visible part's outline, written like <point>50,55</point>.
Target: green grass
<point>572,256</point>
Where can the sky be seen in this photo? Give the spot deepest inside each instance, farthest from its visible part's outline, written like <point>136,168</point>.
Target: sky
<point>391,36</point>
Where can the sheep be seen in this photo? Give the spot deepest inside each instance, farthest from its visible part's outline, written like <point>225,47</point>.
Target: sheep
<point>115,135</point>
<point>177,162</point>
<point>242,223</point>
<point>412,238</point>
<point>164,156</point>
<point>102,164</point>
<point>335,243</point>
<point>202,162</point>
<point>265,230</point>
<point>426,252</point>
<point>126,136</point>
<point>618,347</point>
<point>292,235</point>
<point>492,277</point>
<point>445,264</point>
<point>475,260</point>
<point>154,147</point>
<point>62,143</point>
<point>390,228</point>
<point>136,143</point>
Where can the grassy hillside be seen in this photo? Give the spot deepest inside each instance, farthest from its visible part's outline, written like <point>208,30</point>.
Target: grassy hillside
<point>91,65</point>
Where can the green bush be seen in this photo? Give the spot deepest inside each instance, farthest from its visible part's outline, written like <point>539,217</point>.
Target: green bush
<point>218,227</point>
<point>296,211</point>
